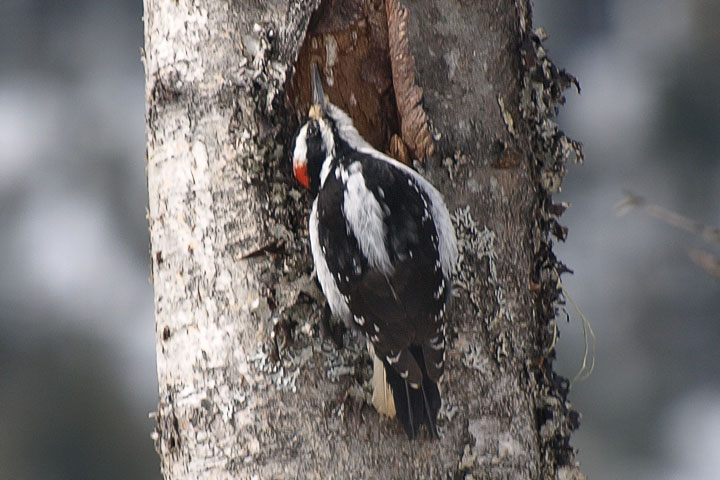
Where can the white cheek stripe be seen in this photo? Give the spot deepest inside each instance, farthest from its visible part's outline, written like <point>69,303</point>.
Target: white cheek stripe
<point>338,304</point>
<point>365,218</point>
<point>300,153</point>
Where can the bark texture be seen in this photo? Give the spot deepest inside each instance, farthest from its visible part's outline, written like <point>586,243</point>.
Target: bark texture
<point>247,388</point>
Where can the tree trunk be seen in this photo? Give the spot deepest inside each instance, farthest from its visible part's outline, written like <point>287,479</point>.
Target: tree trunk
<point>247,388</point>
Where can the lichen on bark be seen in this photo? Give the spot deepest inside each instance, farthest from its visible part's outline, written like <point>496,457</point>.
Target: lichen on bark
<point>542,94</point>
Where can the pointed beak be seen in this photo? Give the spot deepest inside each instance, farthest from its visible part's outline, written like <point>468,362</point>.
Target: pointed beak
<point>318,96</point>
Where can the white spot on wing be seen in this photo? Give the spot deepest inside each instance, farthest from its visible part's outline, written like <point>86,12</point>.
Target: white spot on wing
<point>439,291</point>
<point>393,359</point>
<point>437,343</point>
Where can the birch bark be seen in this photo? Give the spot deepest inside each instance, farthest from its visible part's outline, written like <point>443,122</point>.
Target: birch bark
<point>231,263</point>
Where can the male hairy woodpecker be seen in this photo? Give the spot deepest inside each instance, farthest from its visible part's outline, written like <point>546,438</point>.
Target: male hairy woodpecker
<point>384,250</point>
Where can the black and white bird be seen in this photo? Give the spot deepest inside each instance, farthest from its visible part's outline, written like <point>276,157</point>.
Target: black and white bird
<point>384,250</point>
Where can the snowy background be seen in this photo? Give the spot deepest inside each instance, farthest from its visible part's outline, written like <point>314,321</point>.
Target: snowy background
<point>77,358</point>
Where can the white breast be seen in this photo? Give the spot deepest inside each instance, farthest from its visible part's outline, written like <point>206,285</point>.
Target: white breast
<point>338,303</point>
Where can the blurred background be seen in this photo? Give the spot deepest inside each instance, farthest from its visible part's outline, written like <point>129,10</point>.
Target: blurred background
<point>649,117</point>
<point>77,353</point>
<point>77,356</point>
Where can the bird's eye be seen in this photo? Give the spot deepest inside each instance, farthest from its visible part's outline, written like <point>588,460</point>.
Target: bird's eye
<point>313,130</point>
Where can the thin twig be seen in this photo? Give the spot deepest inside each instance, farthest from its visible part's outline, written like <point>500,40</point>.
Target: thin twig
<point>707,261</point>
<point>707,233</point>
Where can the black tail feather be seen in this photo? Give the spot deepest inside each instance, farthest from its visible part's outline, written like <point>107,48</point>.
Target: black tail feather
<point>414,406</point>
<point>431,417</point>
<point>410,423</point>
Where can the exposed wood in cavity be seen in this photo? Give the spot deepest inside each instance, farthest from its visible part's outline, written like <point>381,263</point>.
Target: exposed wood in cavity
<point>362,51</point>
<point>408,96</point>
<point>348,41</point>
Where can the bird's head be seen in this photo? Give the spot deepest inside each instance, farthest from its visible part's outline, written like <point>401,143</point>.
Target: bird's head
<point>315,140</point>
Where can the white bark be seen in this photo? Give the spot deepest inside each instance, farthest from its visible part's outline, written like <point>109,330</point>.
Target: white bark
<point>220,189</point>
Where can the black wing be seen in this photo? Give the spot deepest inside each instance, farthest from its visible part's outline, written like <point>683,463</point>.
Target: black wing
<point>404,308</point>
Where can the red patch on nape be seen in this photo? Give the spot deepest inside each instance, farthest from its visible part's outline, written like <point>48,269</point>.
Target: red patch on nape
<point>301,173</point>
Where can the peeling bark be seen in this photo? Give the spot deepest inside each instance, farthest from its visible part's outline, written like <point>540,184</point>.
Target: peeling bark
<point>408,96</point>
<point>247,387</point>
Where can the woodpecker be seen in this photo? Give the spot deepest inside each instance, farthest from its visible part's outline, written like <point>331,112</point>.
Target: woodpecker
<point>384,250</point>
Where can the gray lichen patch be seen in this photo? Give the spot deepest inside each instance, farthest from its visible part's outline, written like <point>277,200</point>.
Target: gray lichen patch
<point>345,361</point>
<point>477,276</point>
<point>473,245</point>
